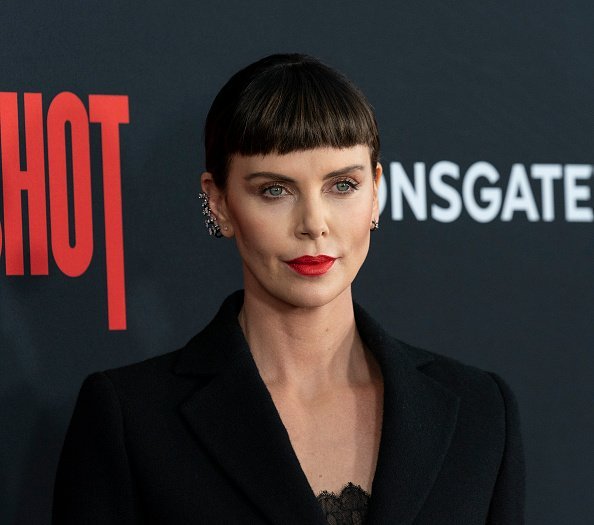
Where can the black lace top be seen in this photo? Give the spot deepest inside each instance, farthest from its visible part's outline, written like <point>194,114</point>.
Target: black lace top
<point>348,508</point>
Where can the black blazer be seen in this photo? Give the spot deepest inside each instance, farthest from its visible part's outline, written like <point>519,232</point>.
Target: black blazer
<point>193,436</point>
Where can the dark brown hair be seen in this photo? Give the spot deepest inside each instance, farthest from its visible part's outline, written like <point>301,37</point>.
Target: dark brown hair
<point>285,103</point>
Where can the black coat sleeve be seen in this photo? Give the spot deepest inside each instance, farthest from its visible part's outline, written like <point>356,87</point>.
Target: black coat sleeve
<point>507,503</point>
<point>93,481</point>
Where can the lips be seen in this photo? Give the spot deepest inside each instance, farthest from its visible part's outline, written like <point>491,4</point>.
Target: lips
<point>312,265</point>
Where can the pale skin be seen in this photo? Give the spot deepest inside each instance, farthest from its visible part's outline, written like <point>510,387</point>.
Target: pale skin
<point>325,384</point>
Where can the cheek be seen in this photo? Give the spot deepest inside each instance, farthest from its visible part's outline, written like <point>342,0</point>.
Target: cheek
<point>361,236</point>
<point>357,232</point>
<point>356,215</point>
<point>257,231</point>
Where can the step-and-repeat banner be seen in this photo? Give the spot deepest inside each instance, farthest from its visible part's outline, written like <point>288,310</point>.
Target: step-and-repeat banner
<point>486,247</point>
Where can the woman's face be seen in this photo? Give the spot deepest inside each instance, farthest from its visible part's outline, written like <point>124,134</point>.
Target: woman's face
<point>282,209</point>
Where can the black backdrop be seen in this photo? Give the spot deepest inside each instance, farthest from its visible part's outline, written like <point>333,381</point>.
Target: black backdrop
<point>506,85</point>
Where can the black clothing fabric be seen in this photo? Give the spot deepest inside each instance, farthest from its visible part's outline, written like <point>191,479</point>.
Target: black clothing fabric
<point>193,436</point>
<point>349,507</point>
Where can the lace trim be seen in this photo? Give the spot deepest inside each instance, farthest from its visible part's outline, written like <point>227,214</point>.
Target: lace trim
<point>347,508</point>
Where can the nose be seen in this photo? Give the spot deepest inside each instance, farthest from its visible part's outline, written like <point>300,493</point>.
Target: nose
<point>312,218</point>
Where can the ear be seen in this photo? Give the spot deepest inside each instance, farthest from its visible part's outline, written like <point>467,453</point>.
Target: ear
<point>217,203</point>
<point>376,182</point>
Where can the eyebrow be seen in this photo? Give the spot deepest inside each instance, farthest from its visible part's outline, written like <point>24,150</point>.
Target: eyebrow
<point>284,178</point>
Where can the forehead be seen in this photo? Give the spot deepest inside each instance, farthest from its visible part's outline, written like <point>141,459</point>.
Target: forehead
<point>301,163</point>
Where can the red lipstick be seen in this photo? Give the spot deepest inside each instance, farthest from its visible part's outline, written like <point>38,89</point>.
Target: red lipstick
<point>310,265</point>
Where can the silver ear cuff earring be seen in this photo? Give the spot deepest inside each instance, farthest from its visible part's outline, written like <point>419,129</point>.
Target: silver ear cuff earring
<point>210,221</point>
<point>374,225</point>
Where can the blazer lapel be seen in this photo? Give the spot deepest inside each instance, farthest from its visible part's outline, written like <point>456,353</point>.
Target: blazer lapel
<point>234,418</point>
<point>418,423</point>
<point>236,421</point>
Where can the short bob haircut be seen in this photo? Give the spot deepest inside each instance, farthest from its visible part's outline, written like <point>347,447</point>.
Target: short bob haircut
<point>284,103</point>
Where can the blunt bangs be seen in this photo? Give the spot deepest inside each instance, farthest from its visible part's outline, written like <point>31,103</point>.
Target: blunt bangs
<point>286,103</point>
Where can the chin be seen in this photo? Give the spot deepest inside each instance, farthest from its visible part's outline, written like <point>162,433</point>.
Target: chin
<point>288,290</point>
<point>308,294</point>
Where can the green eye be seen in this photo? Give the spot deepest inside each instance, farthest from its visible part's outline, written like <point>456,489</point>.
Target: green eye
<point>275,191</point>
<point>343,186</point>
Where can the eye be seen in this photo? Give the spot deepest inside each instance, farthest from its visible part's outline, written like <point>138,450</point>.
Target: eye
<point>345,186</point>
<point>273,191</point>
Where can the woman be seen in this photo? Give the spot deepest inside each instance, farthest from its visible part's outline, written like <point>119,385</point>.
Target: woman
<point>293,405</point>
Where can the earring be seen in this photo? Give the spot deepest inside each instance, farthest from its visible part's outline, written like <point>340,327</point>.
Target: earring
<point>212,226</point>
<point>374,225</point>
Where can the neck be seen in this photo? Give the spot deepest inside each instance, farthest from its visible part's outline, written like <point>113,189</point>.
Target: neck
<point>306,350</point>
